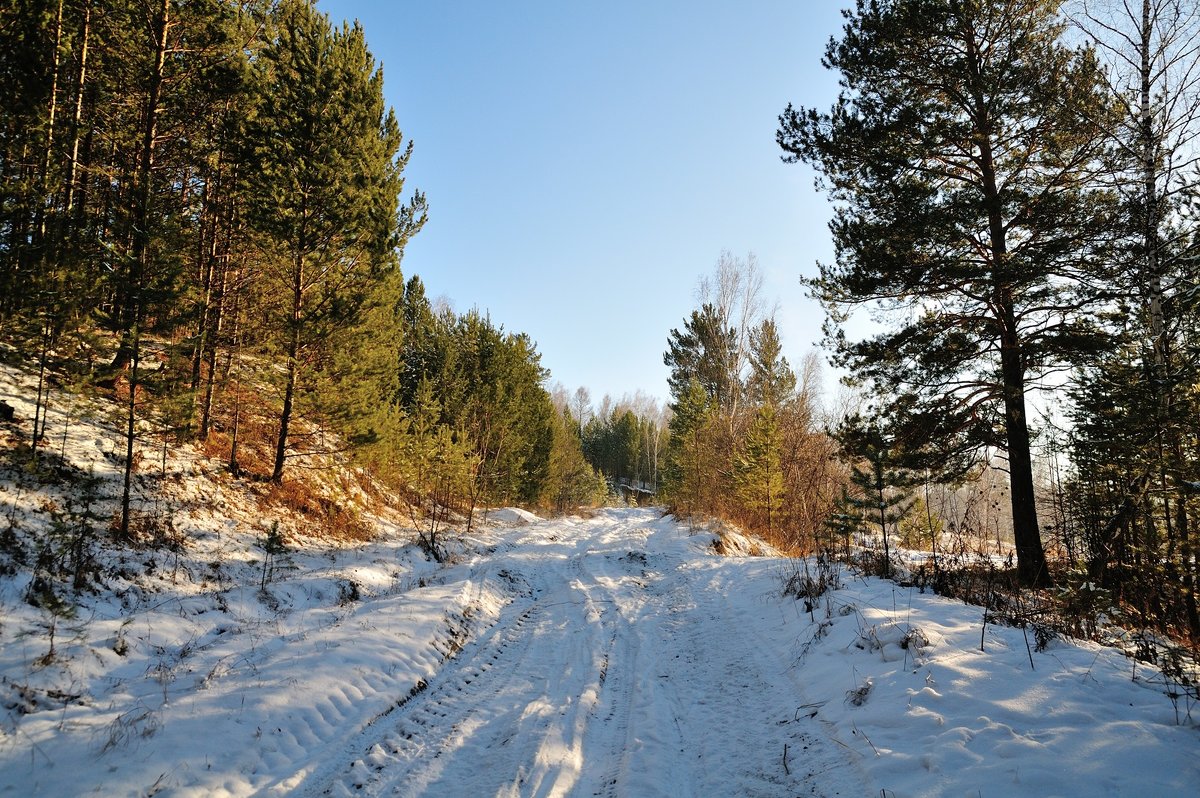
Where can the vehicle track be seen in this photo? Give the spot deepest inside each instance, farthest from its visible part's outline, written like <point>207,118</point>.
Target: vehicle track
<point>617,672</point>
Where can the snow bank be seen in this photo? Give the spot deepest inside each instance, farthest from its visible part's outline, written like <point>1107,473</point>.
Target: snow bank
<point>932,703</point>
<point>511,516</point>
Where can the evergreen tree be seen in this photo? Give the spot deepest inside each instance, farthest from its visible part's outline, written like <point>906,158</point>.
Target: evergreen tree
<point>920,528</point>
<point>503,408</point>
<point>844,519</point>
<point>690,466</point>
<point>326,185</point>
<point>883,497</point>
<point>571,481</point>
<point>361,388</point>
<point>427,350</point>
<point>758,475</point>
<point>771,385</point>
<point>771,381</point>
<point>439,465</point>
<point>704,353</point>
<point>1136,407</point>
<point>176,72</point>
<point>962,151</point>
<point>625,443</point>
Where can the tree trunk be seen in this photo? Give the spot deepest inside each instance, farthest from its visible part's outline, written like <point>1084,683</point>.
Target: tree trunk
<point>128,353</point>
<point>1150,213</point>
<point>210,353</point>
<point>293,353</point>
<point>1031,557</point>
<point>131,309</point>
<point>42,403</point>
<point>234,468</point>
<point>879,487</point>
<point>44,194</point>
<point>77,116</point>
<point>1188,567</point>
<point>207,260</point>
<point>130,432</point>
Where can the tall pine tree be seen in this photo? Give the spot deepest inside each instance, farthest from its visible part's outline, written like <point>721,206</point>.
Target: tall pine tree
<point>961,151</point>
<point>326,188</point>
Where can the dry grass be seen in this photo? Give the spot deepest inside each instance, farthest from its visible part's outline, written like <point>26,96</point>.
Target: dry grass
<point>330,519</point>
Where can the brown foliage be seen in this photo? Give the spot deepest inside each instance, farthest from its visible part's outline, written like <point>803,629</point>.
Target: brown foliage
<point>331,519</point>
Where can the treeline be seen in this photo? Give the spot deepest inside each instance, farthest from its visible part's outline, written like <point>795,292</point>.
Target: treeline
<point>201,211</point>
<point>747,441</point>
<point>455,410</point>
<point>624,440</point>
<point>1016,186</point>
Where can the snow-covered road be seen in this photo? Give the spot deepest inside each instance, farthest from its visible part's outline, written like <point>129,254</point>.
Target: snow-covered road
<point>616,655</point>
<point>629,663</point>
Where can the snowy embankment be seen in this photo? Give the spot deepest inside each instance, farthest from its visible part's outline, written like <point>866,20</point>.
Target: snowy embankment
<point>617,655</point>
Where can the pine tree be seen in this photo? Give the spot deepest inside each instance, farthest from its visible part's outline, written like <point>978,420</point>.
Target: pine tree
<point>920,528</point>
<point>439,463</point>
<point>326,185</point>
<point>174,70</point>
<point>770,387</point>
<point>962,152</point>
<point>570,481</point>
<point>771,379</point>
<point>502,406</point>
<point>758,475</point>
<point>844,519</point>
<point>704,353</point>
<point>690,467</point>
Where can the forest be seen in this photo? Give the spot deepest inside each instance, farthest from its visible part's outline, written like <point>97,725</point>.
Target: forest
<point>204,214</point>
<point>204,211</point>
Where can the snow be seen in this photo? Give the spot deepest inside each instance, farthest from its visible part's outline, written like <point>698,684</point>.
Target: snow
<point>612,655</point>
<point>511,516</point>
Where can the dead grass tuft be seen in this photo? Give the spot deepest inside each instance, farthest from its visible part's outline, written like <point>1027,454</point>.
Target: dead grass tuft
<point>331,520</point>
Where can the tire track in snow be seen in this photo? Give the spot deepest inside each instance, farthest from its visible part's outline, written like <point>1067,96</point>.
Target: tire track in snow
<point>749,690</point>
<point>508,715</point>
<point>621,724</point>
<point>627,671</point>
<point>689,672</point>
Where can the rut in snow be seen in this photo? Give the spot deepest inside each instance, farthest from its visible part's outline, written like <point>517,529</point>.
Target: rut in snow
<point>626,669</point>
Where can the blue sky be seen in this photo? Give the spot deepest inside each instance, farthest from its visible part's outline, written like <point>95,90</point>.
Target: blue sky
<point>587,163</point>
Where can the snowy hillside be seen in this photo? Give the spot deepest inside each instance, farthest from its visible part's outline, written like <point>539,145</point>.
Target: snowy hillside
<point>615,655</point>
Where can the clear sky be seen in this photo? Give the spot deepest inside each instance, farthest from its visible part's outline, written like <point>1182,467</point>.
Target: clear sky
<point>586,163</point>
